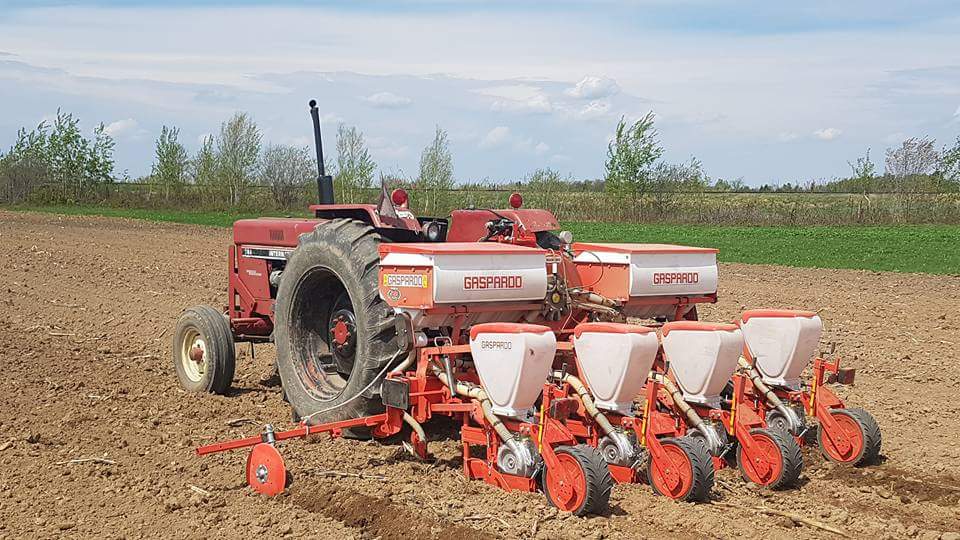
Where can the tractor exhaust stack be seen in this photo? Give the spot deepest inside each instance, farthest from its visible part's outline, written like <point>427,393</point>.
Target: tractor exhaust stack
<point>324,181</point>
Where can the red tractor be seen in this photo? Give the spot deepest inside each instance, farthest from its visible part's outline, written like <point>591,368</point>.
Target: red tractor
<point>383,320</point>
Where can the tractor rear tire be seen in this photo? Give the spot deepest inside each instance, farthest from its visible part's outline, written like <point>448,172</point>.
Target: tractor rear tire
<point>334,333</point>
<point>204,356</point>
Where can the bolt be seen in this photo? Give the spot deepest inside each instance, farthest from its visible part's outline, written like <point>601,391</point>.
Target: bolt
<point>262,473</point>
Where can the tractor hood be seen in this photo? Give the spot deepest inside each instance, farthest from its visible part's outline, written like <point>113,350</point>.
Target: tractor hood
<point>471,225</point>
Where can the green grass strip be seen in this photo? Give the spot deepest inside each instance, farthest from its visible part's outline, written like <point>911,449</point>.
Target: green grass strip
<point>933,249</point>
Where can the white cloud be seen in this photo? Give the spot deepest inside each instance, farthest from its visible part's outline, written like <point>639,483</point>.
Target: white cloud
<point>175,64</point>
<point>386,148</point>
<point>495,137</point>
<point>301,141</point>
<point>956,114</point>
<point>517,98</point>
<point>787,136</point>
<point>331,118</point>
<point>120,128</point>
<point>594,109</point>
<point>516,92</point>
<point>388,100</point>
<point>827,134</point>
<point>538,104</point>
<point>591,87</point>
<point>502,136</point>
<point>895,138</point>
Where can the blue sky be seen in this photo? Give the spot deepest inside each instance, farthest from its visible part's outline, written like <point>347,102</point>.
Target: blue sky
<point>766,91</point>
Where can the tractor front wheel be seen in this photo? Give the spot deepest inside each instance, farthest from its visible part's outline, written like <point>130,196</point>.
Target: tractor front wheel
<point>587,484</point>
<point>203,351</point>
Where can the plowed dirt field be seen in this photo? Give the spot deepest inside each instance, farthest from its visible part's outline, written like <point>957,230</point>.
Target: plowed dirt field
<point>89,305</point>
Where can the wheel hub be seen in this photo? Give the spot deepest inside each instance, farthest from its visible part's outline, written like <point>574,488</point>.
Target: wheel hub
<point>343,331</point>
<point>192,356</point>
<point>196,353</point>
<point>343,339</point>
<point>566,483</point>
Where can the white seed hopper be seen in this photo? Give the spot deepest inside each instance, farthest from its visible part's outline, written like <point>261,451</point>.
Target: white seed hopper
<point>648,278</point>
<point>487,281</point>
<point>615,360</point>
<point>703,357</point>
<point>513,361</point>
<point>782,343</point>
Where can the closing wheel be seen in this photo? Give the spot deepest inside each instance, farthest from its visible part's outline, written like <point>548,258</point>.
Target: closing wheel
<point>689,459</point>
<point>203,351</point>
<point>266,473</point>
<point>587,484</point>
<point>860,429</point>
<point>780,455</point>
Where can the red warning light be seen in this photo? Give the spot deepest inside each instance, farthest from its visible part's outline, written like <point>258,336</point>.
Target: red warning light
<point>399,197</point>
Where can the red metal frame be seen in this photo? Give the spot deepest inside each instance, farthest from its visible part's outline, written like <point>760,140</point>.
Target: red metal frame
<point>429,397</point>
<point>818,400</point>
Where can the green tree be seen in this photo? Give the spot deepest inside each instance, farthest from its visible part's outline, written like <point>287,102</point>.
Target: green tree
<point>100,161</point>
<point>949,167</point>
<point>286,169</point>
<point>544,185</point>
<point>668,180</point>
<point>202,171</point>
<point>58,154</point>
<point>436,170</point>
<point>26,166</point>
<point>863,173</point>
<point>546,180</point>
<point>912,163</point>
<point>630,158</point>
<point>170,164</point>
<point>237,150</point>
<point>354,168</point>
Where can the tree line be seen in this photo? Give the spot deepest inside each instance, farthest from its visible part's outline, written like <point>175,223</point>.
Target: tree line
<point>634,168</point>
<point>231,162</point>
<point>57,160</point>
<point>56,152</point>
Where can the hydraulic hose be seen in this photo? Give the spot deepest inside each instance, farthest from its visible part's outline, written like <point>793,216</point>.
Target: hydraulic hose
<point>477,393</point>
<point>713,440</point>
<point>593,298</point>
<point>415,426</point>
<point>598,308</point>
<point>789,414</point>
<point>402,366</point>
<point>378,378</point>
<point>588,404</point>
<point>625,447</point>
